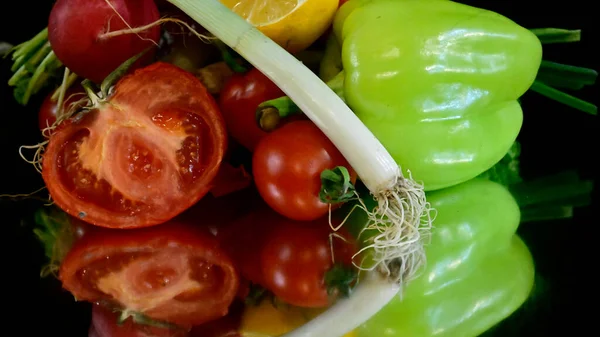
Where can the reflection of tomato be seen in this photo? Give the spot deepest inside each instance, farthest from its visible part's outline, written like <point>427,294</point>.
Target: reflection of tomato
<point>104,324</point>
<point>143,157</point>
<point>227,326</point>
<point>174,272</point>
<point>296,257</point>
<point>287,166</point>
<point>215,213</point>
<point>239,100</point>
<point>287,257</point>
<point>49,108</point>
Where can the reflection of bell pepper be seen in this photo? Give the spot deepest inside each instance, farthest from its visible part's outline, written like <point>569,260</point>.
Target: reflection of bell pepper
<point>478,271</point>
<point>436,81</point>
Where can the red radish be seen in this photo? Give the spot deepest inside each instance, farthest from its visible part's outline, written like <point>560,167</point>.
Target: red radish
<point>77,28</point>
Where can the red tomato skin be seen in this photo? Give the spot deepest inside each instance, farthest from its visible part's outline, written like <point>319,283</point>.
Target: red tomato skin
<point>104,324</point>
<point>287,257</point>
<point>287,166</point>
<point>152,181</point>
<point>147,262</point>
<point>75,27</point>
<point>239,100</point>
<point>296,257</point>
<point>49,108</point>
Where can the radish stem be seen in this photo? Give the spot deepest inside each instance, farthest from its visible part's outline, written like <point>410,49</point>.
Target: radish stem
<point>402,216</point>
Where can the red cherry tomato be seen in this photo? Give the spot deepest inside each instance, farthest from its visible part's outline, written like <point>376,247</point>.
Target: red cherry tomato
<point>104,324</point>
<point>174,272</point>
<point>49,108</point>
<point>239,100</point>
<point>290,258</point>
<point>287,166</point>
<point>141,158</point>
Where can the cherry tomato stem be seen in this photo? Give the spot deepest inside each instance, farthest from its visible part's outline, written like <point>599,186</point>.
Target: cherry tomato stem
<point>270,113</point>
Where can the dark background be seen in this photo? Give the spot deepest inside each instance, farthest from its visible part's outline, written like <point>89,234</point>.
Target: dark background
<point>554,138</point>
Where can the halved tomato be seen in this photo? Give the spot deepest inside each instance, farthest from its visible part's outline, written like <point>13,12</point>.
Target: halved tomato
<point>175,272</point>
<point>145,155</point>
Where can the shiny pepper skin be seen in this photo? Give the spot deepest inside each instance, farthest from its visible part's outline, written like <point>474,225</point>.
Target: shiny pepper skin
<point>437,82</point>
<point>478,270</point>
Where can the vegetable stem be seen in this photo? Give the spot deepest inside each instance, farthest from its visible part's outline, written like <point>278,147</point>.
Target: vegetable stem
<point>214,76</point>
<point>336,186</point>
<point>566,76</point>
<point>557,35</point>
<point>25,49</point>
<point>34,63</point>
<point>229,58</point>
<point>270,113</point>
<point>559,96</point>
<point>551,197</point>
<point>39,76</point>
<point>119,72</point>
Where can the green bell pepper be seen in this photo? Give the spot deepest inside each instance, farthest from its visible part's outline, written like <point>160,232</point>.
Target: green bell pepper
<point>478,270</point>
<point>436,81</point>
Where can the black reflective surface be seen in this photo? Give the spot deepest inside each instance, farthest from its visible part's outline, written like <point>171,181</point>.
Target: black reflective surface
<point>554,138</point>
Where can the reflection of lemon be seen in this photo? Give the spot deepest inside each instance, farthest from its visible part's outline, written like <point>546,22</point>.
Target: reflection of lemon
<point>293,24</point>
<point>265,320</point>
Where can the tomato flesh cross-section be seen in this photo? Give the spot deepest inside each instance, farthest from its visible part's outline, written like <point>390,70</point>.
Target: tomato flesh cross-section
<point>142,157</point>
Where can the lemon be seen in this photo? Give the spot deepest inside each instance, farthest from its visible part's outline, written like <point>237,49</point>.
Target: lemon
<point>293,24</point>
